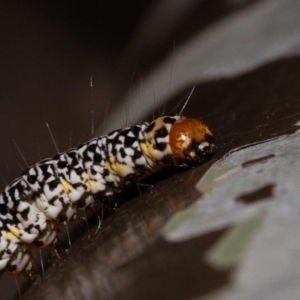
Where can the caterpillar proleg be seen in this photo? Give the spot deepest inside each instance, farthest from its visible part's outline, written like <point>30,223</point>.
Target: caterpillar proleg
<point>50,192</point>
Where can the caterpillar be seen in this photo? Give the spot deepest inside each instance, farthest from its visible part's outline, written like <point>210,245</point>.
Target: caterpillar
<point>51,192</point>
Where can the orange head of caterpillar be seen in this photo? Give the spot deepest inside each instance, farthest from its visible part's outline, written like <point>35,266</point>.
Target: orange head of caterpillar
<point>191,140</point>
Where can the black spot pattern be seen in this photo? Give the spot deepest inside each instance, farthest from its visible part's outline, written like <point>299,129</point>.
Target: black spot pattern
<point>52,191</point>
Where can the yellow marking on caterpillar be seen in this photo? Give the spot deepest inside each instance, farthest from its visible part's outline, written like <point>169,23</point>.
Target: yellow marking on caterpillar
<point>122,170</point>
<point>110,165</point>
<point>11,234</point>
<point>153,155</point>
<point>94,185</point>
<point>112,162</point>
<point>86,177</point>
<point>8,236</point>
<point>117,168</point>
<point>144,148</point>
<point>66,186</point>
<point>159,123</point>
<point>15,231</point>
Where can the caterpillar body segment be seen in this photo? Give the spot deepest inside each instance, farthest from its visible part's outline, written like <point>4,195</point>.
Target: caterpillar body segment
<point>50,192</point>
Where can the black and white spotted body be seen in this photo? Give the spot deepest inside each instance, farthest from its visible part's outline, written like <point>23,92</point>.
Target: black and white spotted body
<point>52,191</point>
